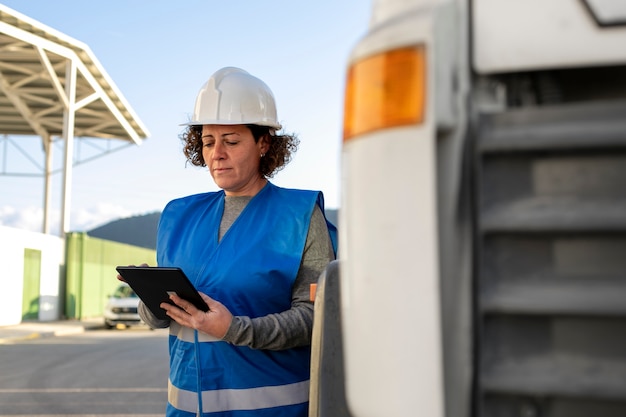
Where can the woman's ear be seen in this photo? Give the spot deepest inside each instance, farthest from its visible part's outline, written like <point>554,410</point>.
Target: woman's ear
<point>265,143</point>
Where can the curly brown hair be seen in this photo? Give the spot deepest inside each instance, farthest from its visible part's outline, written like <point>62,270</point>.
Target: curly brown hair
<point>282,147</point>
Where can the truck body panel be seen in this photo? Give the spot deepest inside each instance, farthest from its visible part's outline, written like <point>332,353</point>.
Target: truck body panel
<point>523,35</point>
<point>481,269</point>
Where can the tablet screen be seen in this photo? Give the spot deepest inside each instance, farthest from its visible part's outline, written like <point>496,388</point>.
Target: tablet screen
<point>154,284</point>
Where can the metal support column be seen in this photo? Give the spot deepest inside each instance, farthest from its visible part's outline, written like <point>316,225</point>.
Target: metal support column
<point>68,138</point>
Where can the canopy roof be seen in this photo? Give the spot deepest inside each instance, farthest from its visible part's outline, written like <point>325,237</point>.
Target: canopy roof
<point>33,70</point>
<point>52,86</point>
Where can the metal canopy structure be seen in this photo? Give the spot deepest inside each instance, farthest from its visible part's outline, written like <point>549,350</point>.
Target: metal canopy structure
<point>53,87</point>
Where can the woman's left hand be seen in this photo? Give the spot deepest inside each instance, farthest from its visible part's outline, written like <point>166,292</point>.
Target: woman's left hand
<point>214,322</point>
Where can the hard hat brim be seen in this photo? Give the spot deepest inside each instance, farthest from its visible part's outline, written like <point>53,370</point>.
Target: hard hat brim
<point>275,126</point>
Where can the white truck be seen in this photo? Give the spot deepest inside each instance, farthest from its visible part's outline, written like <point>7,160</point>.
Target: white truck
<point>482,257</point>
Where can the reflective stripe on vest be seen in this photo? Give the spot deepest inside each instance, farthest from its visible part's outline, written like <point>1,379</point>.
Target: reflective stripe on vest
<point>187,334</point>
<point>239,399</point>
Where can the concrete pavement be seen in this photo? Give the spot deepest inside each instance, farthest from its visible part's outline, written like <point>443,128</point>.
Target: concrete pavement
<point>39,329</point>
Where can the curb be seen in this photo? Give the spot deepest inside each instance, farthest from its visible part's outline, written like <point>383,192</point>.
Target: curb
<point>55,330</point>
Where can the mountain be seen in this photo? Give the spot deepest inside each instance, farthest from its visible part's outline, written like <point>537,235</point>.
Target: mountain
<point>141,230</point>
<point>137,231</point>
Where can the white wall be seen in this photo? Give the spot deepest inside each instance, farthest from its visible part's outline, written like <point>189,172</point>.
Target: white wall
<point>12,245</point>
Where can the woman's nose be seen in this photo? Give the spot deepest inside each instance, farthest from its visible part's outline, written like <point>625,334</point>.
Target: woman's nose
<point>219,151</point>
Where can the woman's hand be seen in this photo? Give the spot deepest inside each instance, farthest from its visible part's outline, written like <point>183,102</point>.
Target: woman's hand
<point>214,322</point>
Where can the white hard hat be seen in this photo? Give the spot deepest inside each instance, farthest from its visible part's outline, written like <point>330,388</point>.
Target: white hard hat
<point>231,97</point>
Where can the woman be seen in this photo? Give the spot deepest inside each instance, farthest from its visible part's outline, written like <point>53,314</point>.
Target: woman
<point>252,250</point>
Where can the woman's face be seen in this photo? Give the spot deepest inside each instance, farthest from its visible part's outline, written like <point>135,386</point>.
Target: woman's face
<point>233,158</point>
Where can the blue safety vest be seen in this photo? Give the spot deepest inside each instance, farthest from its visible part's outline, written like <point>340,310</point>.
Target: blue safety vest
<point>251,271</point>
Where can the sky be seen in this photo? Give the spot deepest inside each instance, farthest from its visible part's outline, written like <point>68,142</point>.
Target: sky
<point>159,53</point>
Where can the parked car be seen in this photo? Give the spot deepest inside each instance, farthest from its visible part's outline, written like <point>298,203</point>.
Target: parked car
<point>121,308</point>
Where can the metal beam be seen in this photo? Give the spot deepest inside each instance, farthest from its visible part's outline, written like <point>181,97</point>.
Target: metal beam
<point>21,107</point>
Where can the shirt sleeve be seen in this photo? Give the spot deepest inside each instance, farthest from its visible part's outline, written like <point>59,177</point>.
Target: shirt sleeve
<point>150,319</point>
<point>293,327</point>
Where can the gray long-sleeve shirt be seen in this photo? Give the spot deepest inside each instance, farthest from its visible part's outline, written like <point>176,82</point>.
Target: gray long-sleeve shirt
<point>289,328</point>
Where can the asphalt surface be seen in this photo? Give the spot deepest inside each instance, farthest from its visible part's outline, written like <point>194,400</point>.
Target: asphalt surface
<point>39,329</point>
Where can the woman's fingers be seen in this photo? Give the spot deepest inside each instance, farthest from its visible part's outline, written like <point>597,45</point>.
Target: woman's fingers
<point>215,322</point>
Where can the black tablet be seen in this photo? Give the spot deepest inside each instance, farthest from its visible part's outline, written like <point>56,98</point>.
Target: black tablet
<point>154,284</point>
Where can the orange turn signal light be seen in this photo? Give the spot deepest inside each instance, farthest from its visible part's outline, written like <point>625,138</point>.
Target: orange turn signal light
<point>385,90</point>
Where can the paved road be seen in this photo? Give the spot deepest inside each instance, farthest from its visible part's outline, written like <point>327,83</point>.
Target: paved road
<point>96,373</point>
